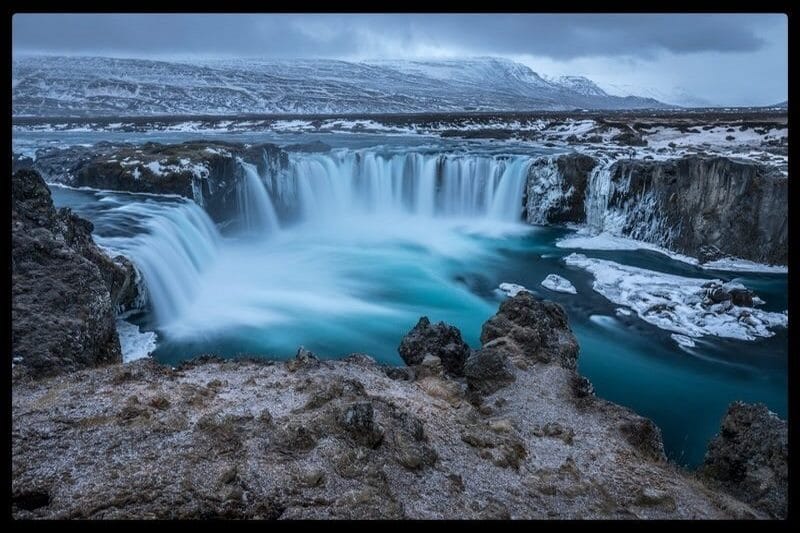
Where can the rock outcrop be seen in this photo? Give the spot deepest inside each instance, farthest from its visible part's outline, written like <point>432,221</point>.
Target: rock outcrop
<point>310,438</point>
<point>65,290</point>
<point>705,207</point>
<point>559,198</point>
<point>749,458</point>
<point>208,172</point>
<point>439,340</point>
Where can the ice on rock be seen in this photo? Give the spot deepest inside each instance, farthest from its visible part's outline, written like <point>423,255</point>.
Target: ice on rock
<point>556,283</point>
<point>676,303</point>
<point>135,344</point>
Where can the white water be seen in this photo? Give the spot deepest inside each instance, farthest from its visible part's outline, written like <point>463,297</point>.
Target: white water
<point>258,214</point>
<point>321,187</point>
<point>178,243</point>
<point>339,212</point>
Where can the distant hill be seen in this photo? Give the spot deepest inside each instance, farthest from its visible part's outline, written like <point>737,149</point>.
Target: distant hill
<point>94,86</point>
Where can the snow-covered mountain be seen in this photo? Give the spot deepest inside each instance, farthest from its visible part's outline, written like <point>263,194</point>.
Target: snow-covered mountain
<point>94,86</point>
<point>673,95</point>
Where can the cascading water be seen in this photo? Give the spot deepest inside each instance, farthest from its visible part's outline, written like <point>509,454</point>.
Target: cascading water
<point>258,214</point>
<point>321,186</point>
<point>178,243</point>
<point>597,195</point>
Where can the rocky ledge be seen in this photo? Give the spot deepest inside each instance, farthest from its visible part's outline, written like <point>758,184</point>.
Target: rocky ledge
<point>65,290</point>
<point>508,431</point>
<point>208,172</point>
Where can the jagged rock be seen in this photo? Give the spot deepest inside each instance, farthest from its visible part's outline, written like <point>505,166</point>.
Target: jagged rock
<point>539,328</point>
<point>749,457</point>
<point>489,369</point>
<point>303,358</point>
<point>358,420</point>
<point>65,290</point>
<point>440,340</point>
<point>645,437</point>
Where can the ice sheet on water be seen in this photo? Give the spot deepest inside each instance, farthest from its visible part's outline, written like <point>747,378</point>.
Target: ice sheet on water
<point>556,283</point>
<point>676,303</point>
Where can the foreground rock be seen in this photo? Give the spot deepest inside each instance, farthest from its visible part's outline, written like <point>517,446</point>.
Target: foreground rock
<point>749,458</point>
<point>343,439</point>
<point>438,340</point>
<point>209,172</point>
<point>65,290</point>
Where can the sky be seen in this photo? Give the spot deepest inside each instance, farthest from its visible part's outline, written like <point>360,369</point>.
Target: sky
<point>720,59</point>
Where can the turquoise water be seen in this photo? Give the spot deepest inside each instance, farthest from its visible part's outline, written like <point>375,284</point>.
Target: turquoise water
<point>359,283</point>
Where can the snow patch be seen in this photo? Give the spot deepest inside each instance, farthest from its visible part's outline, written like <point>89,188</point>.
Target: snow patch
<point>556,283</point>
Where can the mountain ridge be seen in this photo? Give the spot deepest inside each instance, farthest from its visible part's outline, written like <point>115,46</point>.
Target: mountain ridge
<point>100,86</point>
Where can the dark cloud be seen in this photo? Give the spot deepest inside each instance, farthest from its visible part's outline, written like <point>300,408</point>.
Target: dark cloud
<point>560,37</point>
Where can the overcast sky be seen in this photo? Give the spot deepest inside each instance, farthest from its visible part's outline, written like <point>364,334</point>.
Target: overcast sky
<point>723,59</point>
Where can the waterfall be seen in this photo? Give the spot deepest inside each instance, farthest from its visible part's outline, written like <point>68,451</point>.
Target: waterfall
<point>319,186</point>
<point>258,213</point>
<point>597,194</point>
<point>178,242</point>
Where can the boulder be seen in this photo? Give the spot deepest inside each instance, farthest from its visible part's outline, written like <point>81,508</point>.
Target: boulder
<point>538,328</point>
<point>439,340</point>
<point>749,458</point>
<point>489,369</point>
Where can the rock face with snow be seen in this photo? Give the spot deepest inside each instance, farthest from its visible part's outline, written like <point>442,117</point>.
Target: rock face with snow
<point>749,458</point>
<point>65,290</point>
<point>95,86</point>
<point>556,189</point>
<point>520,436</point>
<point>206,171</point>
<point>705,207</point>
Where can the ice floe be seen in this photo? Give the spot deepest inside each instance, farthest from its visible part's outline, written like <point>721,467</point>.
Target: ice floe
<point>677,303</point>
<point>512,289</point>
<point>556,283</point>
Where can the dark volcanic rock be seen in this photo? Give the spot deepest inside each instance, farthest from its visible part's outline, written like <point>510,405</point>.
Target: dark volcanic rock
<point>440,340</point>
<point>65,290</point>
<point>489,369</point>
<point>749,457</point>
<point>697,203</point>
<point>573,172</point>
<point>207,172</point>
<point>537,328</point>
